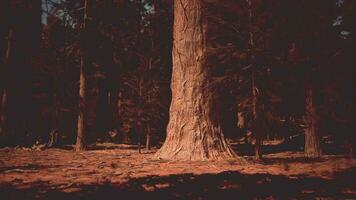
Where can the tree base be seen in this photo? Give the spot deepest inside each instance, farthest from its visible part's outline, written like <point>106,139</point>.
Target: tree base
<point>188,152</point>
<point>313,154</point>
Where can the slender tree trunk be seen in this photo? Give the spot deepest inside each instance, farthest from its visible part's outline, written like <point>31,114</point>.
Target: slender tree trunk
<point>139,133</point>
<point>312,140</point>
<point>352,141</point>
<point>139,115</point>
<point>114,109</point>
<point>3,112</point>
<point>194,131</point>
<point>148,127</point>
<point>256,130</point>
<point>80,145</point>
<point>241,125</point>
<point>113,94</point>
<point>148,138</point>
<point>81,131</point>
<point>4,95</point>
<point>350,146</point>
<point>53,135</point>
<point>256,120</point>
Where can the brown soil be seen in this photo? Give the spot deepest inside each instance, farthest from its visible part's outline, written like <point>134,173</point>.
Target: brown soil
<point>109,171</point>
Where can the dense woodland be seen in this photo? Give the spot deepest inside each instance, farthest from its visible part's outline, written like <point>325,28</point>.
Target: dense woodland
<point>195,76</point>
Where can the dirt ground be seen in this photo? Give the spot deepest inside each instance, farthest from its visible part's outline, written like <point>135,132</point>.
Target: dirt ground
<point>112,171</point>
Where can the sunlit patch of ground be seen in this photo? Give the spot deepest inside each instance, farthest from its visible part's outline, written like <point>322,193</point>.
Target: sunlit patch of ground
<point>120,169</point>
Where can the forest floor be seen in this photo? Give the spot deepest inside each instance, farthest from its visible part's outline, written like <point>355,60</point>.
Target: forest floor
<point>113,171</point>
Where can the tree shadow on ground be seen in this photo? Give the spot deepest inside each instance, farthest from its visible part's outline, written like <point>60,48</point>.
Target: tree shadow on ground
<point>225,185</point>
<point>248,149</point>
<point>303,160</point>
<point>115,146</point>
<point>296,144</point>
<point>111,147</point>
<point>27,168</point>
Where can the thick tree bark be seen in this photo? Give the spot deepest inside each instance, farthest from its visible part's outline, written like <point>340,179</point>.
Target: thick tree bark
<point>81,131</point>
<point>194,131</point>
<point>312,140</point>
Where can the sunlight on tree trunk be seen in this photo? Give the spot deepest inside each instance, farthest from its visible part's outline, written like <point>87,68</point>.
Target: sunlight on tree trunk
<point>148,138</point>
<point>312,140</point>
<point>81,132</point>
<point>194,131</point>
<point>80,145</point>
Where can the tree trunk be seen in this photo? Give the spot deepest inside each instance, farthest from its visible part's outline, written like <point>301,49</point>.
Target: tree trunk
<point>312,140</point>
<point>4,95</point>
<point>53,135</point>
<point>194,131</point>
<point>148,139</point>
<point>351,149</point>
<point>53,138</point>
<point>240,120</point>
<point>113,96</point>
<point>256,123</point>
<point>352,140</point>
<point>115,124</point>
<point>257,126</point>
<point>80,144</point>
<point>139,132</point>
<point>81,131</point>
<point>3,112</point>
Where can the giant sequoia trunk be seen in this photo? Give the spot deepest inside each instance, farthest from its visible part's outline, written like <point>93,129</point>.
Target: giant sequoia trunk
<point>312,140</point>
<point>81,131</point>
<point>194,131</point>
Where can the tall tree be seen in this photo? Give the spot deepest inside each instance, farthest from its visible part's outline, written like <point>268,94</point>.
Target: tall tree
<point>316,50</point>
<point>194,131</point>
<point>4,97</point>
<point>256,130</point>
<point>312,140</point>
<point>81,131</point>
